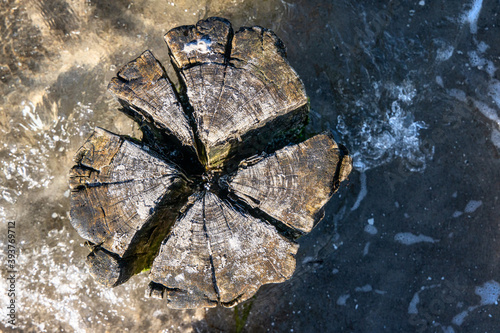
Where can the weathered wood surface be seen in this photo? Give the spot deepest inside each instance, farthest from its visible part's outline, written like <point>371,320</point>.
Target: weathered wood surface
<point>117,188</point>
<point>212,238</point>
<point>304,175</point>
<point>221,255</point>
<point>145,91</point>
<point>236,85</point>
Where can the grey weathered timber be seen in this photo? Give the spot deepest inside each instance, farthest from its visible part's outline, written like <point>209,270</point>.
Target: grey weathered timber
<point>143,88</point>
<point>116,187</point>
<point>303,175</point>
<point>239,86</point>
<point>225,252</point>
<point>221,221</point>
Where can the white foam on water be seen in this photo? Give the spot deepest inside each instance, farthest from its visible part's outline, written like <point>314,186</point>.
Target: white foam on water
<point>308,259</point>
<point>405,92</point>
<point>495,137</point>
<point>54,287</point>
<point>459,318</point>
<point>481,63</point>
<point>488,108</point>
<point>111,296</point>
<point>439,81</point>
<point>387,134</point>
<point>371,229</point>
<point>362,193</point>
<point>407,238</point>
<point>380,292</point>
<point>487,111</point>
<point>412,307</point>
<point>447,329</point>
<point>494,92</point>
<point>444,53</point>
<point>29,113</point>
<point>27,166</point>
<point>489,292</point>
<point>366,249</point>
<point>475,60</point>
<point>472,15</point>
<point>482,47</point>
<point>364,289</point>
<point>66,279</point>
<point>343,299</point>
<point>458,94</point>
<point>472,206</point>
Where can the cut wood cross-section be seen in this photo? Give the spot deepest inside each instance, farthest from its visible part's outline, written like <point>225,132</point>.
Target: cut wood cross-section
<point>222,183</point>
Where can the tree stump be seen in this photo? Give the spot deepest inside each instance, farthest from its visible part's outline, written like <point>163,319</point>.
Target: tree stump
<point>223,181</point>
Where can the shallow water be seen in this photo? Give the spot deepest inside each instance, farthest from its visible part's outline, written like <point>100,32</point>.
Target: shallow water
<point>410,243</point>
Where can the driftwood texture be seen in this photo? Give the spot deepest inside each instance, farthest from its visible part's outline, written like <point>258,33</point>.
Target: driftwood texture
<point>213,197</point>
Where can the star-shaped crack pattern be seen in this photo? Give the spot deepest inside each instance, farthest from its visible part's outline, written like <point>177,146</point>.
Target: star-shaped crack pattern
<point>211,199</point>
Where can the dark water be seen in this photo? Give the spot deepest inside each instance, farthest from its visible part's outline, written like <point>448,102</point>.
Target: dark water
<point>410,243</point>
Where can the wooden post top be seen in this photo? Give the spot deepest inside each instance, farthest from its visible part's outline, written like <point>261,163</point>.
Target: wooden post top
<point>222,183</point>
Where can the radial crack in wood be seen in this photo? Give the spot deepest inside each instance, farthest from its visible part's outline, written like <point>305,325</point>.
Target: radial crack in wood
<point>184,261</point>
<point>221,255</point>
<point>243,97</point>
<point>143,88</point>
<point>293,184</point>
<point>216,231</point>
<point>122,197</point>
<point>247,252</point>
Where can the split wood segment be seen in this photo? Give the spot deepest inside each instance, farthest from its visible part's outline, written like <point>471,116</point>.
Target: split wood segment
<point>211,237</point>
